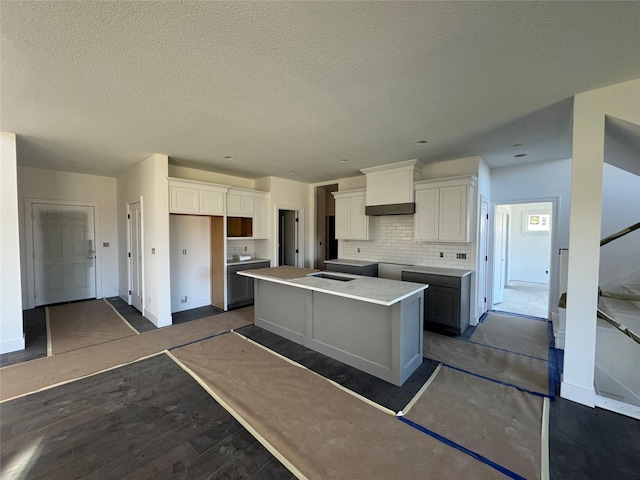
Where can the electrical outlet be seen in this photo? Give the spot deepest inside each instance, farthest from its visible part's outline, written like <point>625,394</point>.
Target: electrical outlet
<point>183,299</point>
<point>358,250</point>
<point>441,254</point>
<point>461,256</point>
<point>245,249</point>
<point>153,251</point>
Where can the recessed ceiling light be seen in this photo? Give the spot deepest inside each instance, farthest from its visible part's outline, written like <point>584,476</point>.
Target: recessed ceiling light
<point>73,162</point>
<point>292,172</point>
<point>228,157</point>
<point>520,155</point>
<point>421,142</point>
<point>517,144</point>
<point>343,160</point>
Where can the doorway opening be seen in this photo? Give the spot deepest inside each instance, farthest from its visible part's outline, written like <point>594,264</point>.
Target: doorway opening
<point>522,258</point>
<point>288,237</point>
<point>326,242</point>
<point>62,243</point>
<point>135,244</point>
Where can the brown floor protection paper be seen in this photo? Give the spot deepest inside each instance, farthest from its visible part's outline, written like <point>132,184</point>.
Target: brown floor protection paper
<point>40,373</point>
<point>525,372</point>
<point>516,334</point>
<point>80,324</point>
<point>320,429</point>
<point>499,422</point>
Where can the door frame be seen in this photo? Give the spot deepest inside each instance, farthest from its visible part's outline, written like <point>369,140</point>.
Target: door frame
<point>29,243</point>
<point>554,260</point>
<point>141,269</point>
<point>276,219</point>
<point>482,281</point>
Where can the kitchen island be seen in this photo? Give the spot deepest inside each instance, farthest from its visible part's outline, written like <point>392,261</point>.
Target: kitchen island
<point>372,324</point>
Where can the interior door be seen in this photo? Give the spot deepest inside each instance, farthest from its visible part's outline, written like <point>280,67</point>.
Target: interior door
<point>500,256</point>
<point>64,253</point>
<point>484,257</point>
<point>136,293</point>
<point>288,238</point>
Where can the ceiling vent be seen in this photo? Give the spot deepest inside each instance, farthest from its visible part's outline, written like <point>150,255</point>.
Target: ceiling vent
<point>390,188</point>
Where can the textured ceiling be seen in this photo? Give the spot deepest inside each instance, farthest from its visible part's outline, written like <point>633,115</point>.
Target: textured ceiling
<point>282,87</point>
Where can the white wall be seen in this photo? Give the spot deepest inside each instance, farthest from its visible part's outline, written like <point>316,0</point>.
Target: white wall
<point>589,111</point>
<point>11,331</point>
<point>529,252</point>
<point>620,259</point>
<point>211,177</point>
<point>52,185</point>
<point>148,181</point>
<point>289,195</point>
<point>190,271</point>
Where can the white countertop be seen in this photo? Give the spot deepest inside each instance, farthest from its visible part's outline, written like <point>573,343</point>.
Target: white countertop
<point>367,289</point>
<point>449,272</point>
<point>351,263</point>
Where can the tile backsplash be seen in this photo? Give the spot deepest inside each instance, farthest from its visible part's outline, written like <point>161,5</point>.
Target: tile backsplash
<point>392,242</point>
<point>237,247</point>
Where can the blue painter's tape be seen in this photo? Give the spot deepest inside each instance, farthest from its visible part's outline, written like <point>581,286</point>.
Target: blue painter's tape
<point>552,369</point>
<point>484,317</point>
<point>199,340</point>
<point>457,446</point>
<point>517,387</point>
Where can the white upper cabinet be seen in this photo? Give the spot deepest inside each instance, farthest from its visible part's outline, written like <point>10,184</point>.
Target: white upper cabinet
<point>196,198</point>
<point>443,209</point>
<point>250,204</point>
<point>351,221</point>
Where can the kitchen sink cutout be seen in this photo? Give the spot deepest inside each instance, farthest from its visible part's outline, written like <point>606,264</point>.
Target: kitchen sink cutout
<point>328,276</point>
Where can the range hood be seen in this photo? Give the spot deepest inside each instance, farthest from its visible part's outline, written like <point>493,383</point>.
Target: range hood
<point>390,188</point>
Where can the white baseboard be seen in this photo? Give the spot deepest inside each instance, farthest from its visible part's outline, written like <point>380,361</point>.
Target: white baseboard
<point>622,408</point>
<point>12,345</point>
<point>157,321</point>
<point>575,393</point>
<point>181,307</point>
<point>110,293</point>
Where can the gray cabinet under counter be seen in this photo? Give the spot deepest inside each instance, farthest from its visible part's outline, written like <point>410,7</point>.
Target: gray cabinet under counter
<point>354,267</point>
<point>240,289</point>
<point>447,300</point>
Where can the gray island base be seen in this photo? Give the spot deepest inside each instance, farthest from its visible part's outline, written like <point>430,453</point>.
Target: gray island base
<point>372,324</point>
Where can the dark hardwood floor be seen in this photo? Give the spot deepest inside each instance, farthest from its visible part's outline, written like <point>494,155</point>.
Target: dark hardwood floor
<point>131,315</point>
<point>35,338</point>
<point>149,419</point>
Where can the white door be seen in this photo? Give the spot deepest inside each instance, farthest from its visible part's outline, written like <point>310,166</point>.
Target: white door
<point>500,256</point>
<point>63,253</point>
<point>135,255</point>
<point>484,257</point>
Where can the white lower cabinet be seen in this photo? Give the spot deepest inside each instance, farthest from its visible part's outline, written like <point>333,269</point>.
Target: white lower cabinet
<point>443,209</point>
<point>351,221</point>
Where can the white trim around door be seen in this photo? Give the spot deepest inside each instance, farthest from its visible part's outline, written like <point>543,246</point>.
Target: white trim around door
<point>30,204</point>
